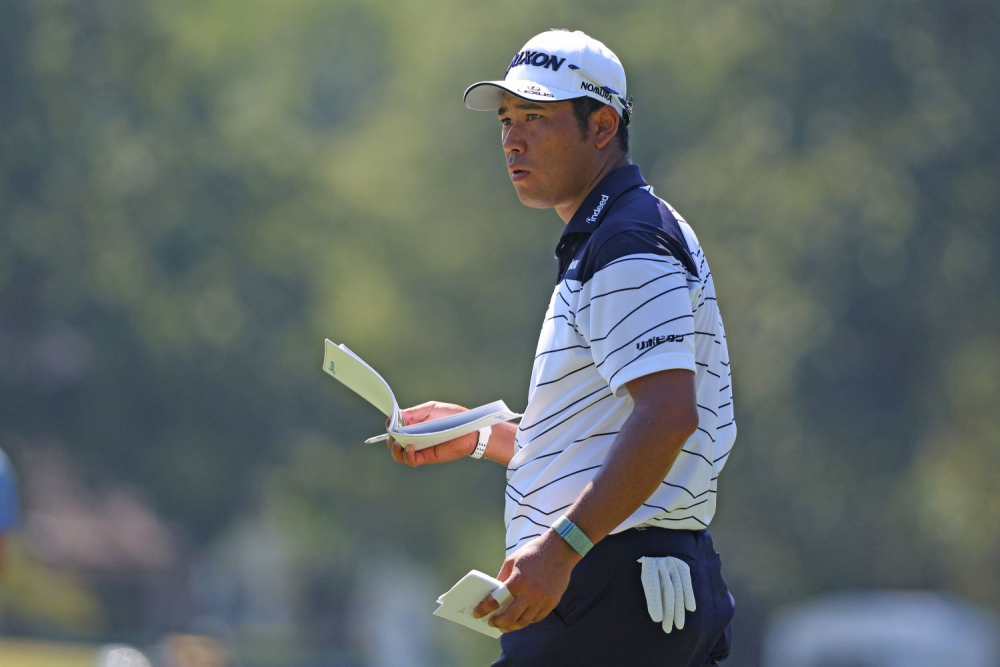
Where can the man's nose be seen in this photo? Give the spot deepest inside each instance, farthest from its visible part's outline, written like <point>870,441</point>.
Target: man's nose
<point>513,139</point>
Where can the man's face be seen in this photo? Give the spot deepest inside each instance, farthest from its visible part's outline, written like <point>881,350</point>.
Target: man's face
<point>549,163</point>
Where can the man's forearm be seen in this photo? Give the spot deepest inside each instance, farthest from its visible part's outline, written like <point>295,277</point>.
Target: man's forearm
<point>642,455</point>
<point>644,451</point>
<point>664,415</point>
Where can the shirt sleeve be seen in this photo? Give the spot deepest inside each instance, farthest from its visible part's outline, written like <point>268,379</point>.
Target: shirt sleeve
<point>636,311</point>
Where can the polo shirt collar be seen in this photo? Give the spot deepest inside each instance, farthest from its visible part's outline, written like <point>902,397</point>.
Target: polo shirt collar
<point>600,200</point>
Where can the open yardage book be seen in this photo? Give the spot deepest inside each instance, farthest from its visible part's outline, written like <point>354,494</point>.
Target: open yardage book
<point>365,381</point>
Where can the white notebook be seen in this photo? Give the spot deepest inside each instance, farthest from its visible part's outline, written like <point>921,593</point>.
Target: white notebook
<point>457,604</point>
<point>358,376</point>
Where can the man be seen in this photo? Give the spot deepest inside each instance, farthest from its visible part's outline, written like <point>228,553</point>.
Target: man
<point>613,469</point>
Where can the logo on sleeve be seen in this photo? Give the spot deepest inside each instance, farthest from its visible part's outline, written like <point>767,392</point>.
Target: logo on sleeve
<point>657,340</point>
<point>536,59</point>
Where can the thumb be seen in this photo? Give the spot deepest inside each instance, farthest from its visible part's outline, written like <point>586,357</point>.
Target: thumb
<point>506,569</point>
<point>417,414</point>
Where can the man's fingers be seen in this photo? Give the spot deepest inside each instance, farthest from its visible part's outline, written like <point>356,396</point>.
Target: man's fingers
<point>492,602</point>
<point>418,413</point>
<point>407,455</point>
<point>447,451</point>
<point>395,450</point>
<point>486,606</point>
<point>509,616</point>
<point>518,615</point>
<point>501,595</point>
<point>451,450</point>
<point>503,575</point>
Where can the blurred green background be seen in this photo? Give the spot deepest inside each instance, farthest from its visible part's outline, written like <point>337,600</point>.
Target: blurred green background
<point>194,194</point>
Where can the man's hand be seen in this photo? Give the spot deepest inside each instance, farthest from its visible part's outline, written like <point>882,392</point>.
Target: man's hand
<point>450,450</point>
<point>536,575</point>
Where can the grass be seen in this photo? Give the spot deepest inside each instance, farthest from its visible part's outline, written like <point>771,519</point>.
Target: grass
<point>29,653</point>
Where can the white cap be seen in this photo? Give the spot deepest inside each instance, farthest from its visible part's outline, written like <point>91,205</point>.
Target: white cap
<point>554,66</point>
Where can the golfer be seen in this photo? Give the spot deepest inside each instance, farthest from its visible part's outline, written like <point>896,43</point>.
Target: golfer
<point>612,474</point>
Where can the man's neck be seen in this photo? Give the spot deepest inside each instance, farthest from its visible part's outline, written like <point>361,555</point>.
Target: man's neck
<point>567,210</point>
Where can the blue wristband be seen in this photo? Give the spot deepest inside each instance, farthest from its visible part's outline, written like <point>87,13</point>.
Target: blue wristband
<point>573,535</point>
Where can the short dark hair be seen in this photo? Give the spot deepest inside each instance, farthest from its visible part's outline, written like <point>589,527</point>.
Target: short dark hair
<point>583,109</point>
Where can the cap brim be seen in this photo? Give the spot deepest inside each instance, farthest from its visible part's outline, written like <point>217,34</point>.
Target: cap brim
<point>488,95</point>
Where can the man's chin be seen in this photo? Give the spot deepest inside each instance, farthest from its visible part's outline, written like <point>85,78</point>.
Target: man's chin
<point>530,201</point>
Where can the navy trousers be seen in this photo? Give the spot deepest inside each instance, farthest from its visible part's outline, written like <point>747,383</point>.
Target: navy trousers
<point>602,619</point>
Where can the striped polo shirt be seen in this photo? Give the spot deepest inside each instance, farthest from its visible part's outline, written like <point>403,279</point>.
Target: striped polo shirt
<point>634,296</point>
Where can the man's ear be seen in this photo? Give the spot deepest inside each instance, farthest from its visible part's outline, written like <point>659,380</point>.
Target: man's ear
<point>604,125</point>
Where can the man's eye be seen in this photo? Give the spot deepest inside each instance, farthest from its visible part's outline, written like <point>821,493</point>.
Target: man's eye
<point>533,116</point>
<point>505,121</point>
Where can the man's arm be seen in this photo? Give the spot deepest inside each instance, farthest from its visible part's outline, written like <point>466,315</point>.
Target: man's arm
<point>500,447</point>
<point>664,417</point>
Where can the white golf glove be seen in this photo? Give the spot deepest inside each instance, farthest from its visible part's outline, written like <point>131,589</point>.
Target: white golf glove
<point>667,584</point>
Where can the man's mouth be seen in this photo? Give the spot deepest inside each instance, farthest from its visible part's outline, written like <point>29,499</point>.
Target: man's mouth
<point>517,174</point>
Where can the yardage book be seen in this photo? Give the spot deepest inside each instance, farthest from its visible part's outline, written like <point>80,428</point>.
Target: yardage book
<point>457,604</point>
<point>365,381</point>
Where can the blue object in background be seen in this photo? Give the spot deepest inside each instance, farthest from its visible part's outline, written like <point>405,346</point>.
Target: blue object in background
<point>8,495</point>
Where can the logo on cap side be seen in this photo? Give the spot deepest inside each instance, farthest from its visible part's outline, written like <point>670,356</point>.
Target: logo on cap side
<point>600,90</point>
<point>535,59</point>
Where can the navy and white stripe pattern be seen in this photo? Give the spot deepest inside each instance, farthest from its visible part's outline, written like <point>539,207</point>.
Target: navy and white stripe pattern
<point>635,296</point>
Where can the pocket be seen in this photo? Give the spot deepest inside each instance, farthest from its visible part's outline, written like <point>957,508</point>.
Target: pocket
<point>595,586</point>
<point>725,605</point>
